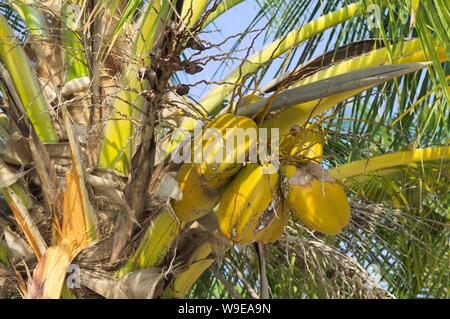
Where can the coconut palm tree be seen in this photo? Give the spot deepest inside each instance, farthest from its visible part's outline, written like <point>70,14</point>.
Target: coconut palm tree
<point>96,97</point>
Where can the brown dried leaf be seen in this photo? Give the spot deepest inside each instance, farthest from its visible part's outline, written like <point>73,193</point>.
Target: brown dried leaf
<point>76,233</point>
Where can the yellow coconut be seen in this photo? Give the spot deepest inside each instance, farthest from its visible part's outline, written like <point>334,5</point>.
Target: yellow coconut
<point>196,201</point>
<point>247,201</point>
<point>315,198</point>
<point>216,166</point>
<point>275,224</point>
<point>303,144</point>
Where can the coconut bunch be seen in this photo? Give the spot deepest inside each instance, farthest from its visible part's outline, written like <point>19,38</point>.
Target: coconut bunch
<point>255,201</point>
